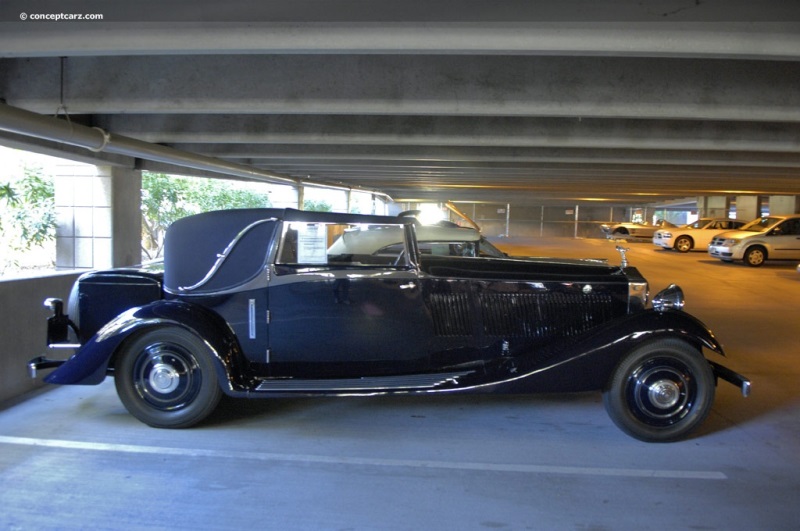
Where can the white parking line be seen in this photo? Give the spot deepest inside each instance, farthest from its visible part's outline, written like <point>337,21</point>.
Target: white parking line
<point>366,461</point>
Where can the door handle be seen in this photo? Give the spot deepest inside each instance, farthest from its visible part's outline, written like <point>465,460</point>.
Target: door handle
<point>410,285</point>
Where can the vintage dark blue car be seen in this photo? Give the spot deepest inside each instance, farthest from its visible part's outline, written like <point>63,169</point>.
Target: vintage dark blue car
<point>268,302</point>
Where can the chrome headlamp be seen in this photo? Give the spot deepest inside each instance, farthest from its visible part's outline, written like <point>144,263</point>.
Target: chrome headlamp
<point>669,298</point>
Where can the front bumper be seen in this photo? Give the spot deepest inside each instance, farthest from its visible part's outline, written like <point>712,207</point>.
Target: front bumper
<point>725,253</point>
<point>665,243</point>
<point>731,377</point>
<point>42,363</point>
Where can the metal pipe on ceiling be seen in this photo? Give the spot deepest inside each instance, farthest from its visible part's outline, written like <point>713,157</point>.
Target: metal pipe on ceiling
<point>26,123</point>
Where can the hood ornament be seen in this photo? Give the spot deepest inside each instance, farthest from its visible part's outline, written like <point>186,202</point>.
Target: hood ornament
<point>622,250</point>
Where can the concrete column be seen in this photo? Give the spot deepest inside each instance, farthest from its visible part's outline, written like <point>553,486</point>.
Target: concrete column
<point>748,207</point>
<point>126,218</point>
<point>99,216</point>
<point>783,204</point>
<point>716,206</point>
<point>84,209</point>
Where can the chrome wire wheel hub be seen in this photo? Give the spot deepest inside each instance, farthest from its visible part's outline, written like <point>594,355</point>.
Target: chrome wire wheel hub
<point>662,392</point>
<point>166,376</point>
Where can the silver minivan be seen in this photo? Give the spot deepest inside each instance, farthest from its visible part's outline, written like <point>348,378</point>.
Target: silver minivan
<point>766,238</point>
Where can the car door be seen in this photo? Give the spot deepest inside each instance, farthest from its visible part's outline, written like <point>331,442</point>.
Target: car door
<point>344,315</point>
<point>785,240</point>
<point>703,236</point>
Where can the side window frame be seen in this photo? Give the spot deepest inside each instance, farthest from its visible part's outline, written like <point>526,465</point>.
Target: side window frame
<point>286,256</point>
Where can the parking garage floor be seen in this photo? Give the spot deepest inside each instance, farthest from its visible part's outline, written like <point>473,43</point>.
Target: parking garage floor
<point>72,458</point>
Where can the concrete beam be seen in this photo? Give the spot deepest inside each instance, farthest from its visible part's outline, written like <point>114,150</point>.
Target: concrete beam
<point>591,29</point>
<point>443,131</point>
<point>579,87</point>
<point>267,154</point>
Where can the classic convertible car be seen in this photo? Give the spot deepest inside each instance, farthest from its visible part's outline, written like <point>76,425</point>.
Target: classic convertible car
<point>634,230</point>
<point>265,302</point>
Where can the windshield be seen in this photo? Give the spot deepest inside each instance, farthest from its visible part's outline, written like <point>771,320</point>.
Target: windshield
<point>699,224</point>
<point>762,224</point>
<point>487,249</point>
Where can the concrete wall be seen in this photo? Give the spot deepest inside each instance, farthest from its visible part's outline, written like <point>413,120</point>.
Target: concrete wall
<point>23,328</point>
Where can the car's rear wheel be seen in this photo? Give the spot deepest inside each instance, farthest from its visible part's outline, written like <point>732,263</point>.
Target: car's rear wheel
<point>661,391</point>
<point>165,378</point>
<point>684,244</point>
<point>620,232</point>
<point>755,256</point>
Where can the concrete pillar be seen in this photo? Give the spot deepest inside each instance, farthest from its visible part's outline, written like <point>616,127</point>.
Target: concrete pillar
<point>748,207</point>
<point>99,216</point>
<point>715,206</point>
<point>84,209</point>
<point>783,204</point>
<point>126,218</point>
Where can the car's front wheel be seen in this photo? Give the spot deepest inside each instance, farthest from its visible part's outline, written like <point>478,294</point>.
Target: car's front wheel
<point>684,244</point>
<point>661,391</point>
<point>755,256</point>
<point>165,377</point>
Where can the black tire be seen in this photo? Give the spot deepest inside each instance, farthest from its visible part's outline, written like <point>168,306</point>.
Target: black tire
<point>620,232</point>
<point>755,256</point>
<point>684,244</point>
<point>165,377</point>
<point>661,391</point>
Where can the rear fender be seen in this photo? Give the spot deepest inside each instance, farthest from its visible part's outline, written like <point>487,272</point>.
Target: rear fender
<point>91,362</point>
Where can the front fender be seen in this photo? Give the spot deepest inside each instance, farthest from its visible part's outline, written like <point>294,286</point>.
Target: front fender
<point>673,323</point>
<point>587,363</point>
<point>90,364</point>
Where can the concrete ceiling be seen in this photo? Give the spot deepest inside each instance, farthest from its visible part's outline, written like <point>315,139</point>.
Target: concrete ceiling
<point>524,102</point>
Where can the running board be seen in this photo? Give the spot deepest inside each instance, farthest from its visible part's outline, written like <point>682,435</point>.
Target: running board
<point>374,383</point>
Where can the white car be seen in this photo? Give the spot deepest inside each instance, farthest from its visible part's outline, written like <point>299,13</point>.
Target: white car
<point>633,230</point>
<point>695,235</point>
<point>767,238</point>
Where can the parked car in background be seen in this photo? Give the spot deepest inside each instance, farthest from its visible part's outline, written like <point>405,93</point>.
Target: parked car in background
<point>259,303</point>
<point>633,230</point>
<point>694,236</point>
<point>442,239</point>
<point>766,238</point>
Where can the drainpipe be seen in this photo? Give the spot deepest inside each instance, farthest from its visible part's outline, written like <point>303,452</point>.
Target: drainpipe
<point>26,123</point>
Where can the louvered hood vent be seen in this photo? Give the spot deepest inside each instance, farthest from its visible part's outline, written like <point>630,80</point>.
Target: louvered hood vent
<point>530,315</point>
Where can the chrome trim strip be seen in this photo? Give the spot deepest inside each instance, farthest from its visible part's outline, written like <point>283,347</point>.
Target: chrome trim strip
<point>63,345</point>
<point>375,383</point>
<point>251,315</point>
<point>312,274</point>
<point>222,257</point>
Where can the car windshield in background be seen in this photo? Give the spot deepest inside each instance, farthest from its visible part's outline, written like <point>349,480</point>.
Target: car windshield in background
<point>699,224</point>
<point>761,224</point>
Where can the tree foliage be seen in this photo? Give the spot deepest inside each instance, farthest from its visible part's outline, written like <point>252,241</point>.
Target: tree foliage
<point>29,217</point>
<point>317,206</point>
<point>168,198</point>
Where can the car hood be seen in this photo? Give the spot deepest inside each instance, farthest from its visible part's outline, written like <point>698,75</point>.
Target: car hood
<point>737,234</point>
